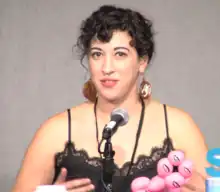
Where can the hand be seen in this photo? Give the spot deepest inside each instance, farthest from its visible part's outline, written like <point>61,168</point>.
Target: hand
<point>75,185</point>
<point>188,187</point>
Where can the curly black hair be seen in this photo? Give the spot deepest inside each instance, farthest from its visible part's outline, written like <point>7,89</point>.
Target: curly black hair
<point>107,19</point>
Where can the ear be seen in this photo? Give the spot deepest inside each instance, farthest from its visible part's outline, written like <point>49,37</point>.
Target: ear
<point>143,62</point>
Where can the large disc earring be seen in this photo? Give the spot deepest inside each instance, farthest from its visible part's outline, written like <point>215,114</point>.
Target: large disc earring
<point>145,89</point>
<point>89,91</point>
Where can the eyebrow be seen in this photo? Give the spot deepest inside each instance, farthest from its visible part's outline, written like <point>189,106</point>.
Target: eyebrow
<point>116,48</point>
<point>96,48</point>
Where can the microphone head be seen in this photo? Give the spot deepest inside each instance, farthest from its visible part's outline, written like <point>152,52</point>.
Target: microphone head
<point>121,112</point>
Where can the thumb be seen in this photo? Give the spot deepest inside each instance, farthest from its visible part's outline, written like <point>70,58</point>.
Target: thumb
<point>62,176</point>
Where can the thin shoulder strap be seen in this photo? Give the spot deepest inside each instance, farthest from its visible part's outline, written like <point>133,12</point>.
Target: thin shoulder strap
<point>69,125</point>
<point>166,120</point>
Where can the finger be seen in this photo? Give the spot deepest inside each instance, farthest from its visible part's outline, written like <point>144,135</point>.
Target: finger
<point>86,188</point>
<point>193,188</point>
<point>76,183</point>
<point>62,176</point>
<point>199,175</point>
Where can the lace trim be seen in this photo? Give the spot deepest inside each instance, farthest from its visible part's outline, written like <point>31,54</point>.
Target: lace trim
<point>142,162</point>
<point>148,161</point>
<point>71,150</point>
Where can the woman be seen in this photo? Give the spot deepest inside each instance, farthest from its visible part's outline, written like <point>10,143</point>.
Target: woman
<point>119,46</point>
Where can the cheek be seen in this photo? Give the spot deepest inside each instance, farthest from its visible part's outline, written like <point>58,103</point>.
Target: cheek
<point>129,72</point>
<point>128,66</point>
<point>124,69</point>
<point>94,69</point>
<point>128,76</point>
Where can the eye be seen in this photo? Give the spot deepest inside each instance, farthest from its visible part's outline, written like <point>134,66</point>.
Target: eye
<point>121,54</point>
<point>96,54</point>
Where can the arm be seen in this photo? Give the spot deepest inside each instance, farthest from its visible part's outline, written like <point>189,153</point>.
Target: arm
<point>38,163</point>
<point>194,146</point>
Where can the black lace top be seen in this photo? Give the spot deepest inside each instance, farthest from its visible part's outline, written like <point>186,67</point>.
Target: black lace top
<point>80,165</point>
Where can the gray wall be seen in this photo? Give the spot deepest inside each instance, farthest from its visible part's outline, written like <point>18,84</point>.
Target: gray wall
<point>39,76</point>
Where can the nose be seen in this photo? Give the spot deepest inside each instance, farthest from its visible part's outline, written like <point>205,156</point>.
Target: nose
<point>107,66</point>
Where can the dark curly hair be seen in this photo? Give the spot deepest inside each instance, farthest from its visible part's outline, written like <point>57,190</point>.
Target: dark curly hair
<point>102,23</point>
<point>107,19</point>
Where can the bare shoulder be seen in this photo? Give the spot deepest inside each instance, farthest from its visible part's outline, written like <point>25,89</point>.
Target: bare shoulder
<point>62,117</point>
<point>188,137</point>
<point>82,110</point>
<point>181,123</point>
<point>56,126</point>
<point>176,116</point>
<point>52,134</point>
<point>47,141</point>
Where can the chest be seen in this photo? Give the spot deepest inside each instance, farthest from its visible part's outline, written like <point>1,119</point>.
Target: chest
<point>125,142</point>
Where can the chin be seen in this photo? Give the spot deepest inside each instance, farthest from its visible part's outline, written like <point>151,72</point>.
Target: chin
<point>111,97</point>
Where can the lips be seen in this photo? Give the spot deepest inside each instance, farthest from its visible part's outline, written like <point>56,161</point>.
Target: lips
<point>109,82</point>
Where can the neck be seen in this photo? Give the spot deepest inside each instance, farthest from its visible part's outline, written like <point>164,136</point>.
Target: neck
<point>131,103</point>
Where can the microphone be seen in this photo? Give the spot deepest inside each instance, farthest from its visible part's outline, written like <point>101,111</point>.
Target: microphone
<point>119,117</point>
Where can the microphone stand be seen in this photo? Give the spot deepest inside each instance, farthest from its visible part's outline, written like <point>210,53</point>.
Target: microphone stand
<point>119,117</point>
<point>108,164</point>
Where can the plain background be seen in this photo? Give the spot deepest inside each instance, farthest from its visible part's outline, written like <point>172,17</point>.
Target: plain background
<point>40,75</point>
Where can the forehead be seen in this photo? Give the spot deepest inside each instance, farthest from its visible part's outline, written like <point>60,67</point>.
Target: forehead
<point>119,38</point>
